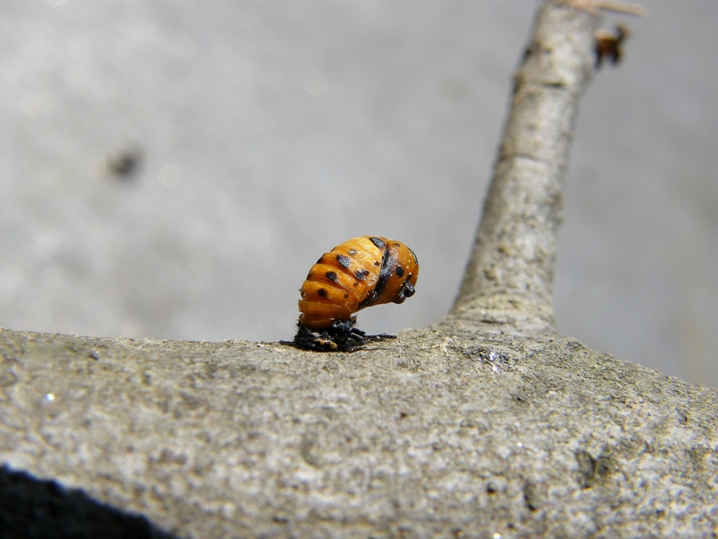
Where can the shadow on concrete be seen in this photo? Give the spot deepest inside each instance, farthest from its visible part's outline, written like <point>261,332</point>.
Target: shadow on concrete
<point>32,508</point>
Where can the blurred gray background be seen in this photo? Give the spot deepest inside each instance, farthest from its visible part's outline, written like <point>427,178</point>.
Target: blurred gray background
<point>270,131</point>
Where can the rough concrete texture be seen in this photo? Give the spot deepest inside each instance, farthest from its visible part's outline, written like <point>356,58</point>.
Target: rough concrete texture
<point>481,426</point>
<point>434,435</point>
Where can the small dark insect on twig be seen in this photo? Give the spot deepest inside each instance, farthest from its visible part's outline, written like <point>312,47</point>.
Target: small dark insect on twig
<point>125,163</point>
<point>608,44</point>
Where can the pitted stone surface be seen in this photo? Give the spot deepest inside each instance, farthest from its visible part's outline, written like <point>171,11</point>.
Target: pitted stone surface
<point>432,435</point>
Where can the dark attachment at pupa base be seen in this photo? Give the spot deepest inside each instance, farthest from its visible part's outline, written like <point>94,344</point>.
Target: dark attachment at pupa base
<point>341,336</point>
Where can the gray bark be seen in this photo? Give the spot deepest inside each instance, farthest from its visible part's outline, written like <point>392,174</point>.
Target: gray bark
<point>489,424</point>
<point>509,279</point>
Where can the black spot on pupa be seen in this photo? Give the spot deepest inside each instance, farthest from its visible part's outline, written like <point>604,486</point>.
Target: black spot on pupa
<point>376,241</point>
<point>352,252</point>
<point>344,261</point>
<point>400,271</point>
<point>371,296</point>
<point>361,274</point>
<point>376,263</point>
<point>322,292</point>
<point>387,262</point>
<point>346,296</point>
<point>332,276</point>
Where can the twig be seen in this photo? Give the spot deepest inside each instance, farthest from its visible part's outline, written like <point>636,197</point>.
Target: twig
<point>508,284</point>
<point>594,6</point>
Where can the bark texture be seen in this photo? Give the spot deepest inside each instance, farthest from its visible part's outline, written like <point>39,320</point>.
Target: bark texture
<point>509,279</point>
<point>490,424</point>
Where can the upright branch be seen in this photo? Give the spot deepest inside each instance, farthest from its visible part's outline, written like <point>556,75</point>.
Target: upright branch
<point>508,283</point>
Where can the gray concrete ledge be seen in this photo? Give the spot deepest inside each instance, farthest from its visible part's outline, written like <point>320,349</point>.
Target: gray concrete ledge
<point>434,434</point>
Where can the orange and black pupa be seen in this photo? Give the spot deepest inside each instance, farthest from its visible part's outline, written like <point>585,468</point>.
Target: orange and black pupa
<point>359,273</point>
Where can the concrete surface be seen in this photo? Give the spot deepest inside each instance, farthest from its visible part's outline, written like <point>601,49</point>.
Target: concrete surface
<point>435,434</point>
